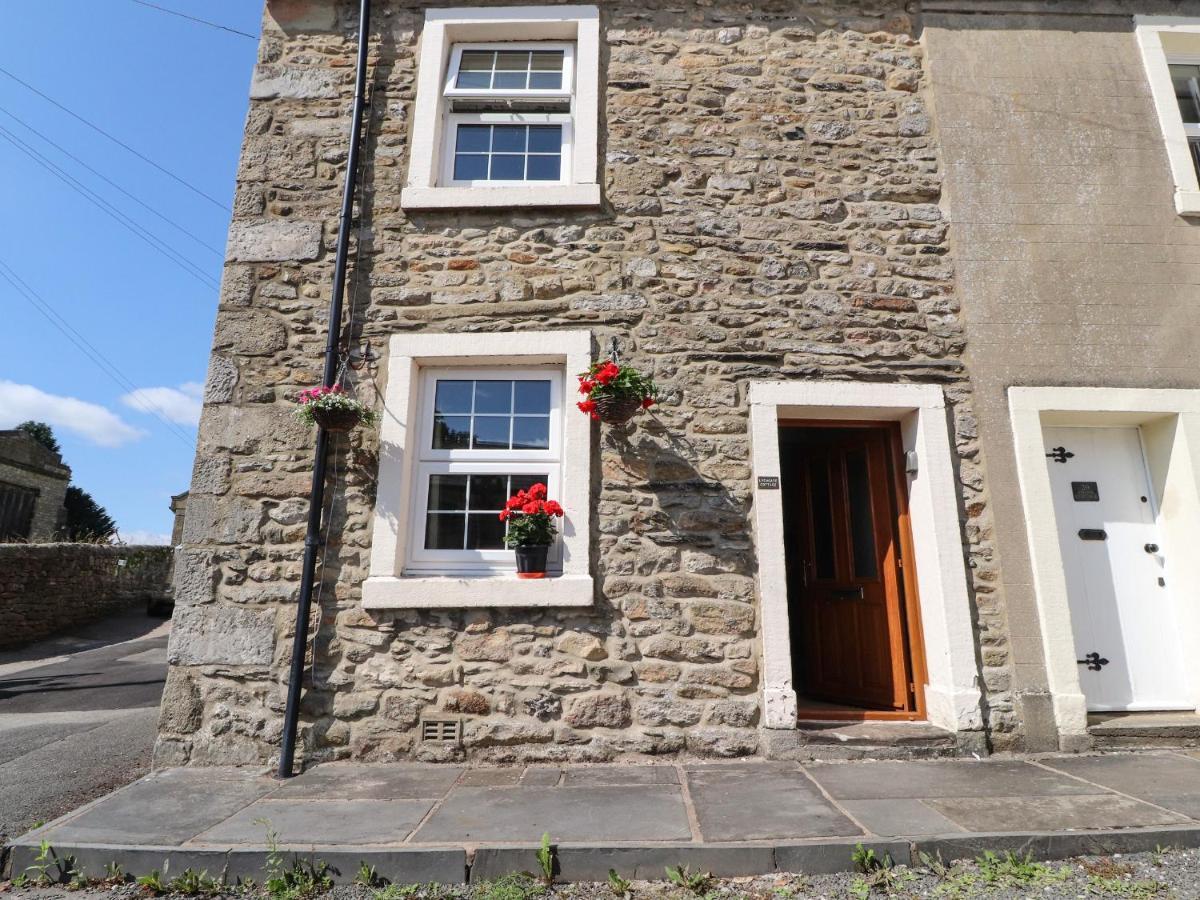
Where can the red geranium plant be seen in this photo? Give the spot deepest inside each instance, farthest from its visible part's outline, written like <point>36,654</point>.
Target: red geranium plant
<point>530,517</point>
<point>613,392</point>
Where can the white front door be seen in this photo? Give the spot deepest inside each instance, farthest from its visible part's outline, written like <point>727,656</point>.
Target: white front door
<point>1126,637</point>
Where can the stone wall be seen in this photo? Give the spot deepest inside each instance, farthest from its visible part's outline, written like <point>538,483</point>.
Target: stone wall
<point>771,211</point>
<point>45,588</point>
<point>27,464</point>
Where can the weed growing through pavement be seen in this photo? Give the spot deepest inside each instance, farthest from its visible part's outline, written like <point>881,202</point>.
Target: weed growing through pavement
<point>618,885</point>
<point>696,882</point>
<point>545,858</point>
<point>303,878</point>
<point>516,886</point>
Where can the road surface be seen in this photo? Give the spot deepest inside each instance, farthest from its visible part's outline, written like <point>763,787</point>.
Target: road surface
<point>77,716</point>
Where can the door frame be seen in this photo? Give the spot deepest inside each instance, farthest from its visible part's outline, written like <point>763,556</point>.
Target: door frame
<point>911,643</point>
<point>951,689</point>
<point>1169,422</point>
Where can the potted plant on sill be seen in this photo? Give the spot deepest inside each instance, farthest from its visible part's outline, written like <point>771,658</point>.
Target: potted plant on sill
<point>613,392</point>
<point>332,409</point>
<point>530,517</point>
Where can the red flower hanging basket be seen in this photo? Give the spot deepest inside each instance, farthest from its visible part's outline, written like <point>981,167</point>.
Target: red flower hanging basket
<point>618,409</point>
<point>614,393</point>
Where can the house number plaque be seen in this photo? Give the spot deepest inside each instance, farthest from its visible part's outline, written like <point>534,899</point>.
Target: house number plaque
<point>1085,491</point>
<point>768,482</point>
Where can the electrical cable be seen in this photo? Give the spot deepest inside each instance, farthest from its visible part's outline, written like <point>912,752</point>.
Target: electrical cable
<point>217,25</point>
<point>115,140</point>
<point>107,180</point>
<point>86,347</point>
<point>139,230</point>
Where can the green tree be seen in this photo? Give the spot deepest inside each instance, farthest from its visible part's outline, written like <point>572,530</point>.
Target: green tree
<point>42,433</point>
<point>87,520</point>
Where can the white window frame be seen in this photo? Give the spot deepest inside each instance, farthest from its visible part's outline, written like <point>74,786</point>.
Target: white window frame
<point>563,93</point>
<point>398,578</point>
<point>467,462</point>
<point>453,120</point>
<point>1156,59</point>
<point>447,31</point>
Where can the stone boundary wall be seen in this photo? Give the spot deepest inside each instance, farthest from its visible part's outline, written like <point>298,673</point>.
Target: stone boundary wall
<point>45,588</point>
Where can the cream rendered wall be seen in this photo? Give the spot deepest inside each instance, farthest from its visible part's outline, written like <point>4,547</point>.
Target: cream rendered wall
<point>1073,267</point>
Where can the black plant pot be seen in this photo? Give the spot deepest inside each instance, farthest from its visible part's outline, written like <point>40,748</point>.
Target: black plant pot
<point>531,561</point>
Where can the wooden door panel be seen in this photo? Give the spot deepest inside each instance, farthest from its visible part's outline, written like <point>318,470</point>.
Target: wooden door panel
<point>847,590</point>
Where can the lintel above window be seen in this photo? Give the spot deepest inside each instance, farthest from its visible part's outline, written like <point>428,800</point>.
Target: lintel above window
<point>507,109</point>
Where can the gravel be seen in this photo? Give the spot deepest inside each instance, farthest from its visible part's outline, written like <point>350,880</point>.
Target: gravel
<point>1161,875</point>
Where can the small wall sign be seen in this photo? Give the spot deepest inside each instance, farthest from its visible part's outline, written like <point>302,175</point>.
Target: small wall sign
<point>768,482</point>
<point>1085,491</point>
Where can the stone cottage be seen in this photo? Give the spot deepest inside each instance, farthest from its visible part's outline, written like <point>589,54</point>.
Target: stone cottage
<point>33,485</point>
<point>779,211</point>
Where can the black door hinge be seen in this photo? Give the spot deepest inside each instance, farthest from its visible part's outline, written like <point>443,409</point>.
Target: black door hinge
<point>1093,661</point>
<point>1060,454</point>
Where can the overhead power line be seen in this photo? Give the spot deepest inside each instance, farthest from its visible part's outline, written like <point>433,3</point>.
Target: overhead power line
<point>92,125</point>
<point>125,221</point>
<point>109,181</point>
<point>87,348</point>
<point>216,25</point>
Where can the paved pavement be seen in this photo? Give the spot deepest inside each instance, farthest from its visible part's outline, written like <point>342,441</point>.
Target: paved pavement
<point>77,716</point>
<point>450,824</point>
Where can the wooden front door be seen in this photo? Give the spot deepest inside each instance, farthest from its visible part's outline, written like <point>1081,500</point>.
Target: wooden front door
<point>849,636</point>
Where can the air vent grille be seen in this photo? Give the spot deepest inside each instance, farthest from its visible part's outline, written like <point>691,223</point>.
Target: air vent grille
<point>443,731</point>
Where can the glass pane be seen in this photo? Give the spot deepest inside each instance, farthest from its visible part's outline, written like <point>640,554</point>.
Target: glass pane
<point>451,432</point>
<point>512,60</point>
<point>474,80</point>
<point>1181,78</point>
<point>531,433</point>
<point>546,81</point>
<point>452,397</point>
<point>444,531</point>
<point>473,138</point>
<point>543,168</point>
<point>862,522</point>
<point>489,492</point>
<point>470,167</point>
<point>485,531</point>
<point>508,168</point>
<point>547,61</point>
<point>493,397</point>
<point>510,81</point>
<point>525,482</point>
<point>545,138</point>
<point>491,433</point>
<point>447,492</point>
<point>822,518</point>
<point>476,61</point>
<point>532,397</point>
<point>509,138</point>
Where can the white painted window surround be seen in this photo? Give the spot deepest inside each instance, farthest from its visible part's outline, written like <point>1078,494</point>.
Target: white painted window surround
<point>427,186</point>
<point>1162,40</point>
<point>1169,421</point>
<point>952,695</point>
<point>393,581</point>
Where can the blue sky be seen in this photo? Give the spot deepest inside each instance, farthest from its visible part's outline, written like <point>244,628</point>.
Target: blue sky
<point>176,92</point>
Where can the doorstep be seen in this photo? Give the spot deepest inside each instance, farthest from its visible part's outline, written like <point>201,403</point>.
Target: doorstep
<point>1141,730</point>
<point>850,740</point>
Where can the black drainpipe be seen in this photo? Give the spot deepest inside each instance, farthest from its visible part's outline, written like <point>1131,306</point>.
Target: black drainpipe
<point>316,496</point>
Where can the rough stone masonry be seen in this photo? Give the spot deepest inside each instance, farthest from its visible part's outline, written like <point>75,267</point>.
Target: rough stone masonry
<point>771,211</point>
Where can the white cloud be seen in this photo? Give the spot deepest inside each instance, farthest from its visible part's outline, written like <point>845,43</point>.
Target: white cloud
<point>19,402</point>
<point>181,404</point>
<point>141,537</point>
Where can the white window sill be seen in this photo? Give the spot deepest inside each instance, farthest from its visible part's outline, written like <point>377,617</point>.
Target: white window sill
<point>1187,203</point>
<point>449,592</point>
<point>500,197</point>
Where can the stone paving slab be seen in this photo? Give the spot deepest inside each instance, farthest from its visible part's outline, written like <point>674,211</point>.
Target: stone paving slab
<point>942,778</point>
<point>423,822</point>
<point>303,821</point>
<point>636,813</point>
<point>752,802</point>
<point>350,781</point>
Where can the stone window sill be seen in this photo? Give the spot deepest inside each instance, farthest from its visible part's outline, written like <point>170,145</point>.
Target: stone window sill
<point>500,197</point>
<point>1187,203</point>
<point>448,592</point>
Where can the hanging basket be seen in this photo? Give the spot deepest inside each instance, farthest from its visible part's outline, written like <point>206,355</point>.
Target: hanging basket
<point>617,410</point>
<point>338,420</point>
